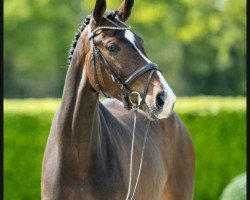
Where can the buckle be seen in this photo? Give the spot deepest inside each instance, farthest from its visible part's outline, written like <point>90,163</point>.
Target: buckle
<point>135,99</point>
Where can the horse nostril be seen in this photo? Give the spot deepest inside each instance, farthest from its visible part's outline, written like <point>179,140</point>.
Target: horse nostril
<point>160,99</point>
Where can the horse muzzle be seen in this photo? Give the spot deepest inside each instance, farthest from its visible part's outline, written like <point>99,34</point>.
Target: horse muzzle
<point>165,102</point>
<point>160,108</point>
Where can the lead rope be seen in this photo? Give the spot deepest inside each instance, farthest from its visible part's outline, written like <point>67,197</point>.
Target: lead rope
<point>131,157</point>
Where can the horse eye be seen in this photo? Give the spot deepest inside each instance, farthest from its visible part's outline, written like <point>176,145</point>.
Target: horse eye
<point>112,48</point>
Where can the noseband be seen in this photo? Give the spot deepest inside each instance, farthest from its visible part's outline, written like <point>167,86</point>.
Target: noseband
<point>124,84</point>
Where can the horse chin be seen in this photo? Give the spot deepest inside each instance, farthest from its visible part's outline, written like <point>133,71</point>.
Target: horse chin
<point>151,112</point>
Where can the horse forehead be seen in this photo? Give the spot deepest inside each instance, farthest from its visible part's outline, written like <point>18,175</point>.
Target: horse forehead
<point>130,36</point>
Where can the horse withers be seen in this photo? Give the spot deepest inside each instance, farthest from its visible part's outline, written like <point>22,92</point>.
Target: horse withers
<point>95,149</point>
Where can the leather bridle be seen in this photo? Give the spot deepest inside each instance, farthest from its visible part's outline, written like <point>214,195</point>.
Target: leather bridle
<point>124,84</point>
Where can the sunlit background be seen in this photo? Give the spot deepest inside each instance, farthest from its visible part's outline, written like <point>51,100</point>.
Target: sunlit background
<point>200,46</point>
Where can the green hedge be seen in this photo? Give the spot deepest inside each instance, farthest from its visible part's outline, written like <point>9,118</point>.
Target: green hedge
<point>217,126</point>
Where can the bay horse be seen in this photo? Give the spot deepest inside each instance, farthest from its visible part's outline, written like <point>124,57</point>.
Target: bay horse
<point>89,149</point>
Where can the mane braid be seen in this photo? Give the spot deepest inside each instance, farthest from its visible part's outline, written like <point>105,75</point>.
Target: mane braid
<point>76,37</point>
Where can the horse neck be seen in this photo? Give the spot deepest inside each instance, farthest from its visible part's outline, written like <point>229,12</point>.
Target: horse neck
<point>78,117</point>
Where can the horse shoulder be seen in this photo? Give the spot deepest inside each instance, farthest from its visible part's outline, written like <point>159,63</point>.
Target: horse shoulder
<point>56,178</point>
<point>49,162</point>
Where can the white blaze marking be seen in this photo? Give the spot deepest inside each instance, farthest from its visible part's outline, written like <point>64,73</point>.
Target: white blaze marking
<point>171,98</point>
<point>130,36</point>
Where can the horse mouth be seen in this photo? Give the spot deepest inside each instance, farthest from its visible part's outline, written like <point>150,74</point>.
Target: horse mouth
<point>151,111</point>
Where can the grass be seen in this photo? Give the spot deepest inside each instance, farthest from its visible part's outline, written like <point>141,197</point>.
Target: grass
<point>217,126</point>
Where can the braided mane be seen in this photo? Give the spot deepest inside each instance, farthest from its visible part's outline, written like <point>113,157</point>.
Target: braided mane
<point>109,14</point>
<point>76,37</point>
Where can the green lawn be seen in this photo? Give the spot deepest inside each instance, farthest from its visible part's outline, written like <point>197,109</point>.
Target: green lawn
<point>217,126</point>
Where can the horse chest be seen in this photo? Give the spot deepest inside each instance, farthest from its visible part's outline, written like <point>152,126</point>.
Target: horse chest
<point>113,177</point>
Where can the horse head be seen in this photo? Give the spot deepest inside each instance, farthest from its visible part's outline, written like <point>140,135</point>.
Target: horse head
<point>118,65</point>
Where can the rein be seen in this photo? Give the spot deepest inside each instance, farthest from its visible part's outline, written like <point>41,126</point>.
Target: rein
<point>126,94</point>
<point>131,158</point>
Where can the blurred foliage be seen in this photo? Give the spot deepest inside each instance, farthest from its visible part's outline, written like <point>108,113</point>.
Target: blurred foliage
<point>199,45</point>
<point>217,126</point>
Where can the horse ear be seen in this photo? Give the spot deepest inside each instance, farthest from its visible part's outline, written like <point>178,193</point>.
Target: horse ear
<point>100,7</point>
<point>125,9</point>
